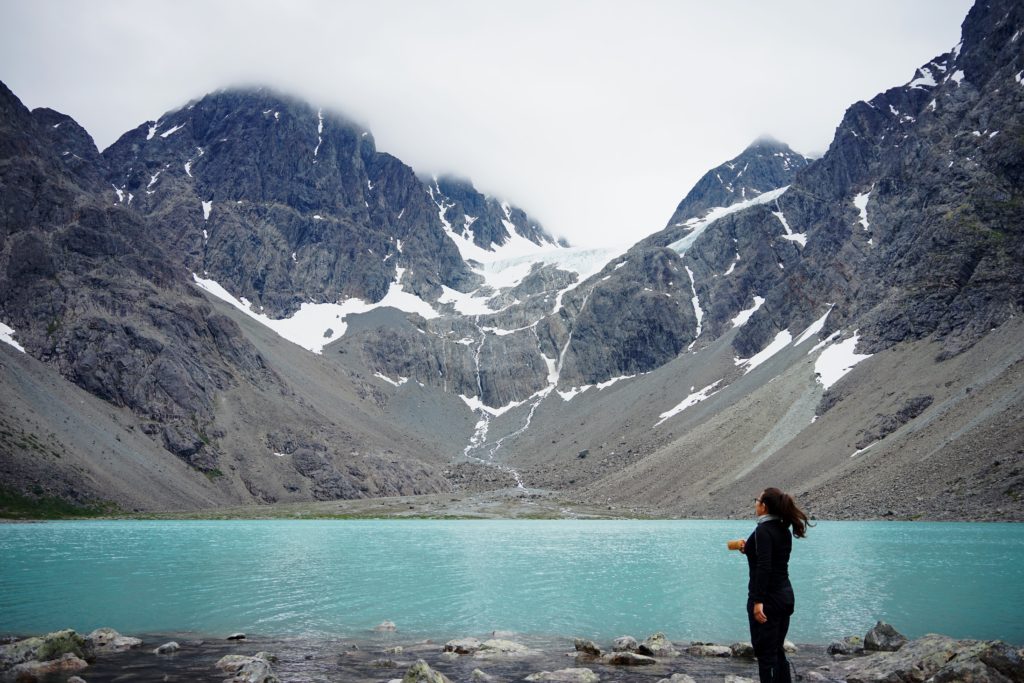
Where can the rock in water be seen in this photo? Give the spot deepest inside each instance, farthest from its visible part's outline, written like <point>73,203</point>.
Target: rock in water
<point>33,670</point>
<point>420,672</point>
<point>851,645</point>
<point>109,640</point>
<point>657,645</point>
<point>624,644</point>
<point>587,647</point>
<point>385,626</point>
<point>462,646</point>
<point>497,647</point>
<point>629,659</point>
<point>44,648</point>
<point>742,649</point>
<point>678,678</point>
<point>709,650</point>
<point>167,648</point>
<point>884,638</point>
<point>236,636</point>
<point>248,669</point>
<point>565,676</point>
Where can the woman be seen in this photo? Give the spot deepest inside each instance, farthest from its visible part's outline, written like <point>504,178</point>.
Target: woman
<point>769,594</point>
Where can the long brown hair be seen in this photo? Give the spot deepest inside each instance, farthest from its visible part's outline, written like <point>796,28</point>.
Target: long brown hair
<point>782,504</point>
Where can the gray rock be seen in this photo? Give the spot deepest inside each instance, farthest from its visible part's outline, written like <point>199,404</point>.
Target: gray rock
<point>883,638</point>
<point>657,645</point>
<point>236,636</point>
<point>385,626</point>
<point>934,657</point>
<point>244,669</point>
<point>109,640</point>
<point>167,648</point>
<point>45,648</point>
<point>479,676</point>
<point>733,678</point>
<point>420,672</point>
<point>565,676</point>
<point>383,663</point>
<point>397,650</point>
<point>624,644</point>
<point>448,657</point>
<point>789,647</point>
<point>742,649</point>
<point>587,647</point>
<point>498,648</point>
<point>462,646</point>
<point>678,678</point>
<point>851,645</point>
<point>625,658</point>
<point>76,679</point>
<point>32,670</point>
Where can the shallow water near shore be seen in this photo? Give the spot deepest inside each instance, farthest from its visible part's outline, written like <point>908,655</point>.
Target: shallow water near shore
<point>444,579</point>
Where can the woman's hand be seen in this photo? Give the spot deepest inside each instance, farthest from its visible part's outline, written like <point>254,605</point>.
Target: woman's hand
<point>759,613</point>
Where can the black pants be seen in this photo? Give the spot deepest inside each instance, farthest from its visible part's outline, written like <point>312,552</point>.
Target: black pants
<point>768,639</point>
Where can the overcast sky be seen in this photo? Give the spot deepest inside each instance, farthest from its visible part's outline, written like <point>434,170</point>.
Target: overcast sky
<point>595,117</point>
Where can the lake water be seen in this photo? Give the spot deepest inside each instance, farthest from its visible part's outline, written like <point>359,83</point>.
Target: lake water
<point>596,579</point>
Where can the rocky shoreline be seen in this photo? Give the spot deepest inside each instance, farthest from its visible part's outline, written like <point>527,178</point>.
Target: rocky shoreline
<point>881,655</point>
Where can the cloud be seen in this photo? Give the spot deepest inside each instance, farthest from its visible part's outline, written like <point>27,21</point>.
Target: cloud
<point>596,117</point>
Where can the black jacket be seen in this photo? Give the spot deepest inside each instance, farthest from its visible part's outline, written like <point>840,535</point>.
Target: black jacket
<point>767,552</point>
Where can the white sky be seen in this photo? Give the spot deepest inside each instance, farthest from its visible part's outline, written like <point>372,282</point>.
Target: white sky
<point>595,117</point>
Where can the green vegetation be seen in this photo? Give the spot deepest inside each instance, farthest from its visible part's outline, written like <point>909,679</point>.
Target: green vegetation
<point>17,506</point>
<point>213,474</point>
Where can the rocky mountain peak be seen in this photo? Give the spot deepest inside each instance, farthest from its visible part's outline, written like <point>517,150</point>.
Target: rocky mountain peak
<point>767,164</point>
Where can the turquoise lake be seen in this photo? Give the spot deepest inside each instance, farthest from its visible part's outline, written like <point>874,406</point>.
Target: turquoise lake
<point>596,579</point>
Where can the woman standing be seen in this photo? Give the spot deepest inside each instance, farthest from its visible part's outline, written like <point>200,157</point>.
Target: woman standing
<point>769,594</point>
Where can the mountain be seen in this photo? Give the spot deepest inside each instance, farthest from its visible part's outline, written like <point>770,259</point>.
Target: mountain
<point>270,309</point>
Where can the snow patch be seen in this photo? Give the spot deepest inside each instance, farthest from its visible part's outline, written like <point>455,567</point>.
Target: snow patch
<point>798,237</point>
<point>7,337</point>
<point>399,382</point>
<point>172,130</point>
<point>957,76</point>
<point>207,208</point>
<point>152,130</point>
<point>837,360</point>
<point>743,316</point>
<point>696,305</point>
<point>306,327</point>
<point>814,328</point>
<point>691,400</point>
<point>699,225</point>
<point>861,202</point>
<point>781,341</point>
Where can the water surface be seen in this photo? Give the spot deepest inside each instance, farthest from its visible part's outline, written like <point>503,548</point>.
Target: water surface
<point>597,579</point>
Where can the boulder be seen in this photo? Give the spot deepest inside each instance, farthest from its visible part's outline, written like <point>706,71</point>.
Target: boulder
<point>884,638</point>
<point>167,648</point>
<point>709,650</point>
<point>733,678</point>
<point>742,649</point>
<point>566,676</point>
<point>628,659</point>
<point>384,663</point>
<point>462,646</point>
<point>851,645</point>
<point>624,644</point>
<point>420,672</point>
<point>396,650</point>
<point>109,640</point>
<point>657,645</point>
<point>448,657</point>
<point>385,626</point>
<point>935,657</point>
<point>587,647</point>
<point>236,636</point>
<point>678,678</point>
<point>496,647</point>
<point>244,669</point>
<point>33,670</point>
<point>44,648</point>
<point>479,676</point>
<point>789,647</point>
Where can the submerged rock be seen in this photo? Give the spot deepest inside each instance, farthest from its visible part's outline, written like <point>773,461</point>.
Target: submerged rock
<point>709,650</point>
<point>884,638</point>
<point>678,678</point>
<point>420,672</point>
<point>462,646</point>
<point>565,676</point>
<point>628,659</point>
<point>496,647</point>
<point>167,648</point>
<point>479,676</point>
<point>385,626</point>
